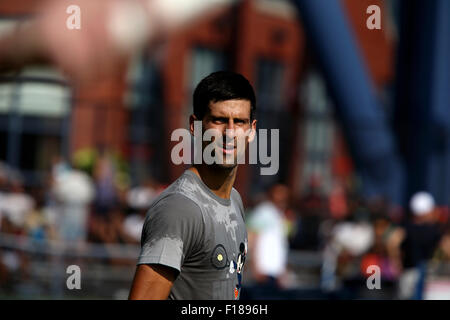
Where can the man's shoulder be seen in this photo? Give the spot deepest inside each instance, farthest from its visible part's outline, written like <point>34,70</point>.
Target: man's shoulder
<point>176,191</point>
<point>236,193</point>
<point>173,201</point>
<point>171,210</point>
<point>173,198</point>
<point>185,185</point>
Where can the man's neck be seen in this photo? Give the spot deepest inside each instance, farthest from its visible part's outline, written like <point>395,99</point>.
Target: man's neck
<point>219,180</point>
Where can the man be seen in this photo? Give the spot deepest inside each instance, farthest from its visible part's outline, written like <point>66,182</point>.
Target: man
<point>421,237</point>
<point>194,240</point>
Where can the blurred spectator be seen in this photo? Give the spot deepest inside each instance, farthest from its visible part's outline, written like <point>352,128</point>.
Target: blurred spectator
<point>139,200</point>
<point>338,202</point>
<point>104,173</point>
<point>437,286</point>
<point>422,236</point>
<point>40,223</point>
<point>123,223</point>
<point>312,211</point>
<point>443,252</point>
<point>133,224</point>
<point>348,241</point>
<point>73,191</point>
<point>111,230</point>
<point>385,253</point>
<point>268,241</point>
<point>15,204</point>
<point>36,226</point>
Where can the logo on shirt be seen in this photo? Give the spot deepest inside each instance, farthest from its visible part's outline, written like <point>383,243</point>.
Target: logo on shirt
<point>219,257</point>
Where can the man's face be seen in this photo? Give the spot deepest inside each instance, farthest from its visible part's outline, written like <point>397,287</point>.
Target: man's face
<point>230,120</point>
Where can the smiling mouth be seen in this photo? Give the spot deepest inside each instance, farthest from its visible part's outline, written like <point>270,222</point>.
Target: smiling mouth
<point>227,148</point>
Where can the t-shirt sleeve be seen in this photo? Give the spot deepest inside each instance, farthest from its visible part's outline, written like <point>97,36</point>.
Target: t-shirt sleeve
<point>173,230</point>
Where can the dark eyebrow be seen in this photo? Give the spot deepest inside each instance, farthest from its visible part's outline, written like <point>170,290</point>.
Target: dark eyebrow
<point>219,118</point>
<point>222,118</point>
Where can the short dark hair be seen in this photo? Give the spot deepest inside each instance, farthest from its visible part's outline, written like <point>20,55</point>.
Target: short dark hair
<point>222,86</point>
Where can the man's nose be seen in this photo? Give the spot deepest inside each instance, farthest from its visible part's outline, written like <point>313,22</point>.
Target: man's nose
<point>229,130</point>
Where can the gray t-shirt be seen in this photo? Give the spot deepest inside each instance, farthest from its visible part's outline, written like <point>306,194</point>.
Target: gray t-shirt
<point>202,236</point>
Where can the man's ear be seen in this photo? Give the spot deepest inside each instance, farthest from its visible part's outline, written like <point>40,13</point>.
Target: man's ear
<point>192,118</point>
<point>252,134</point>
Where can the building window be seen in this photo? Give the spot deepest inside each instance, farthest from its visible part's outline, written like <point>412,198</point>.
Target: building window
<point>34,121</point>
<point>317,131</point>
<point>271,113</point>
<point>146,128</point>
<point>204,61</point>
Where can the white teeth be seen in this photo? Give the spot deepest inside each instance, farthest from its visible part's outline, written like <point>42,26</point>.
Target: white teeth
<point>227,146</point>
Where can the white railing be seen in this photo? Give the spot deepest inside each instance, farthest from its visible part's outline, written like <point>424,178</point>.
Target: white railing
<point>69,249</point>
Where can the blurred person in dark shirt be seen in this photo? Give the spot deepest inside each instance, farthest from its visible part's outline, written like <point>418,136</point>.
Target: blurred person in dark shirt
<point>385,253</point>
<point>422,234</point>
<point>106,192</point>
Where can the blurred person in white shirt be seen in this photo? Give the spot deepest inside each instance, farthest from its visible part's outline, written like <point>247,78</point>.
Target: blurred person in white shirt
<point>73,190</point>
<point>268,238</point>
<point>15,204</point>
<point>139,200</point>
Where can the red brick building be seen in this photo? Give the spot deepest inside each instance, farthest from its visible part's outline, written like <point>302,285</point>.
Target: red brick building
<point>135,113</point>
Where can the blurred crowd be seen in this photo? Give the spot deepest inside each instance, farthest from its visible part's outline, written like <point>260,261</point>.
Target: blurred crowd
<point>85,201</point>
<point>79,202</point>
<point>409,247</point>
<point>91,200</point>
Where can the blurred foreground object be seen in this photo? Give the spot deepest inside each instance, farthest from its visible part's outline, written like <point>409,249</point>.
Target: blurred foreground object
<point>349,240</point>
<point>108,33</point>
<point>422,203</point>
